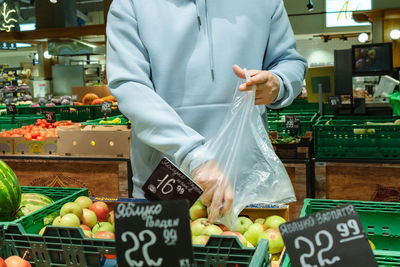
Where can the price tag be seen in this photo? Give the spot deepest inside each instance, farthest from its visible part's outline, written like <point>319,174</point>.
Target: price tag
<point>74,97</point>
<point>153,234</point>
<point>50,116</point>
<point>335,102</point>
<point>11,109</point>
<point>106,107</point>
<point>292,122</point>
<point>334,237</point>
<point>167,182</point>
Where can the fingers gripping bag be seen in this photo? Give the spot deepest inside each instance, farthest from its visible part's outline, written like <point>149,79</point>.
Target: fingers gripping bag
<point>239,166</point>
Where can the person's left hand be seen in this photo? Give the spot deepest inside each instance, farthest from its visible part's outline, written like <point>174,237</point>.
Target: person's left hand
<point>268,84</point>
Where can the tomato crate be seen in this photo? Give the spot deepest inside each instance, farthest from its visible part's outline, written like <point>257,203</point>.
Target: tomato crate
<point>357,137</point>
<point>9,123</point>
<point>33,222</point>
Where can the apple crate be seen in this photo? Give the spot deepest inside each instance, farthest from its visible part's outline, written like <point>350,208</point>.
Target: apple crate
<point>33,222</point>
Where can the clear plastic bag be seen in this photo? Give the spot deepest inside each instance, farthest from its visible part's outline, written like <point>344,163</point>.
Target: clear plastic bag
<point>246,162</point>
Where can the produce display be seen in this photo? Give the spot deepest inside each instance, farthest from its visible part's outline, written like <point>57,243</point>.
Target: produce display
<point>10,193</point>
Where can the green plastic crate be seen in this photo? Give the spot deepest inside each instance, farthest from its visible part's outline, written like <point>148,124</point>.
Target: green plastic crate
<point>278,123</point>
<point>8,123</point>
<point>301,106</point>
<point>96,112</point>
<point>227,251</point>
<point>394,99</point>
<point>379,219</point>
<point>350,137</point>
<point>33,222</point>
<point>66,112</point>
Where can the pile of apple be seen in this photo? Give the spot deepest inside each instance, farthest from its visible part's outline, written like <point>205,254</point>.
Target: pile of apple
<point>14,261</point>
<point>94,218</point>
<point>248,232</point>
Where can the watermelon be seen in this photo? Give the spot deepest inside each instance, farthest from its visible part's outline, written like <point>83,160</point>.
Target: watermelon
<point>31,202</point>
<point>10,193</point>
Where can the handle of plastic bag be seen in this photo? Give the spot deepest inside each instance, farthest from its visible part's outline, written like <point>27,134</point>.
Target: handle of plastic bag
<point>252,93</point>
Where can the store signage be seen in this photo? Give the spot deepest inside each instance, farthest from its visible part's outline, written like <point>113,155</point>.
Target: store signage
<point>8,46</point>
<point>334,237</point>
<point>11,109</point>
<point>50,116</point>
<point>334,102</point>
<point>106,107</point>
<point>339,13</point>
<point>167,182</point>
<point>153,234</point>
<point>292,122</point>
<point>8,17</point>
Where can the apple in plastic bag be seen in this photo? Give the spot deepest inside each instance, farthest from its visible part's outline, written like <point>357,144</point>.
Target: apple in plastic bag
<point>274,238</point>
<point>241,224</point>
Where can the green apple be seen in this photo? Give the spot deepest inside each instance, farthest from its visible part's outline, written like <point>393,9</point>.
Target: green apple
<point>197,210</point>
<point>274,221</point>
<point>249,245</point>
<point>84,202</point>
<point>211,229</point>
<point>275,240</point>
<point>241,224</point>
<point>71,207</point>
<point>88,233</point>
<point>200,240</point>
<point>70,220</point>
<point>254,232</point>
<point>89,218</point>
<point>259,220</point>
<point>57,221</point>
<point>241,238</point>
<point>103,227</point>
<point>198,225</point>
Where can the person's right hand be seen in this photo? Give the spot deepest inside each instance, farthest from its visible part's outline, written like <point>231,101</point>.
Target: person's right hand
<point>218,193</point>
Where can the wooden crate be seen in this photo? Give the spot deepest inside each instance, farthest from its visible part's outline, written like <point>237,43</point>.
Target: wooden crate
<point>102,178</point>
<point>361,181</point>
<point>297,174</point>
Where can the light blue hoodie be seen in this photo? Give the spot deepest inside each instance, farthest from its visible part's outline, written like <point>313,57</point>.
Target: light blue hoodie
<point>169,65</point>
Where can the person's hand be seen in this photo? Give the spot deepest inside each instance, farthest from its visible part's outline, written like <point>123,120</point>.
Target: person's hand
<point>268,84</point>
<point>218,193</point>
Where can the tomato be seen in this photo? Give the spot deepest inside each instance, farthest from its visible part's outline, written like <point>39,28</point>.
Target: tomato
<point>28,136</point>
<point>35,133</point>
<point>41,138</point>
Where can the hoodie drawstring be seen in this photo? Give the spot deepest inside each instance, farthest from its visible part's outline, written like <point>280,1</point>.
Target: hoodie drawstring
<point>209,34</point>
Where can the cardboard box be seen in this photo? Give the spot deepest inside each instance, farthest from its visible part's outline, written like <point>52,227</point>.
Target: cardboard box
<point>6,145</point>
<point>95,141</point>
<point>34,147</point>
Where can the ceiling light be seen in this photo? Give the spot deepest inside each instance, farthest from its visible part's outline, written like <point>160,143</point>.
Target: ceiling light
<point>53,1</point>
<point>46,54</point>
<point>395,34</point>
<point>310,5</point>
<point>363,37</point>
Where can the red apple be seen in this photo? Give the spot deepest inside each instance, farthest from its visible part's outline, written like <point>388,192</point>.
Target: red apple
<point>85,227</point>
<point>2,263</point>
<point>104,235</point>
<point>101,210</point>
<point>239,235</point>
<point>89,218</point>
<point>110,217</point>
<point>16,261</point>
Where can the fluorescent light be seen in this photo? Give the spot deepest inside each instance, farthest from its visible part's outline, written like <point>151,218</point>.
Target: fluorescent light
<point>27,27</point>
<point>19,45</point>
<point>395,34</point>
<point>363,37</point>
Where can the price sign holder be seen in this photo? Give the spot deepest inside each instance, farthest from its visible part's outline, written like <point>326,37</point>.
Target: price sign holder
<point>50,116</point>
<point>153,234</point>
<point>335,102</point>
<point>292,124</point>
<point>334,237</point>
<point>106,108</point>
<point>11,110</point>
<point>167,182</point>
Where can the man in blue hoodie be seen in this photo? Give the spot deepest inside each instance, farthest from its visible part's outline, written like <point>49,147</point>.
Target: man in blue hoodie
<point>169,65</point>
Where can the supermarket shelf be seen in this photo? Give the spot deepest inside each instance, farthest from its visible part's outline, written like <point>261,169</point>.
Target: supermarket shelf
<point>345,160</point>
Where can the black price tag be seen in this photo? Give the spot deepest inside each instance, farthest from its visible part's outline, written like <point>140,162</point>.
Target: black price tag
<point>49,97</point>
<point>335,102</point>
<point>153,234</point>
<point>167,182</point>
<point>334,237</point>
<point>106,107</point>
<point>50,117</point>
<point>292,122</point>
<point>11,109</point>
